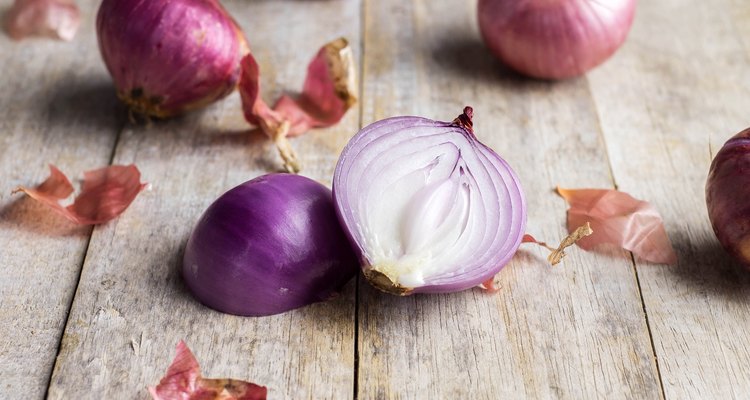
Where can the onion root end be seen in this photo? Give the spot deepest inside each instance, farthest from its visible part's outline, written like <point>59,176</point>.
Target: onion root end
<point>385,284</point>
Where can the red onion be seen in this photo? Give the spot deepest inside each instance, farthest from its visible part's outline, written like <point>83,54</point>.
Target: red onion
<point>167,57</point>
<point>555,39</point>
<point>427,206</point>
<point>267,246</point>
<point>727,194</point>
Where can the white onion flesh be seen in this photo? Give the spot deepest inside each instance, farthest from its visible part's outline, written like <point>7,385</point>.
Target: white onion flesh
<point>427,205</point>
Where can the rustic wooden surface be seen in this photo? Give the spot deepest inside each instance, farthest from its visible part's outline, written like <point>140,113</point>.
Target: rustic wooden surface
<point>131,307</point>
<point>96,313</point>
<point>576,331</point>
<point>667,103</point>
<point>56,106</point>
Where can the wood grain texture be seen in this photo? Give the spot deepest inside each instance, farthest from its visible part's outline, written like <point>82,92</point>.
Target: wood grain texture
<point>132,308</point>
<point>57,106</point>
<point>575,332</point>
<point>668,101</point>
<point>649,121</point>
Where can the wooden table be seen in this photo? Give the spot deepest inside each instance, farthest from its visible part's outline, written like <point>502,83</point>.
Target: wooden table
<point>96,313</point>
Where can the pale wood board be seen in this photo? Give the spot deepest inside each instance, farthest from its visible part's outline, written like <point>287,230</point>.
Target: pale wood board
<point>574,331</point>
<point>647,121</point>
<point>131,306</point>
<point>668,101</point>
<point>57,106</point>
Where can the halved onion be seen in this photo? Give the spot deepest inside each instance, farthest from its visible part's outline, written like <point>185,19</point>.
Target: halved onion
<point>270,245</point>
<point>428,207</point>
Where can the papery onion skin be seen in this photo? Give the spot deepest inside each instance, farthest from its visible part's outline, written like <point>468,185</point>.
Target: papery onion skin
<point>57,19</point>
<point>494,256</point>
<point>555,39</point>
<point>268,246</point>
<point>728,196</point>
<point>168,57</point>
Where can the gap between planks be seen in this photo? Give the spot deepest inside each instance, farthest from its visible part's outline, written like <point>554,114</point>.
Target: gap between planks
<point>360,108</point>
<point>632,257</point>
<point>80,269</point>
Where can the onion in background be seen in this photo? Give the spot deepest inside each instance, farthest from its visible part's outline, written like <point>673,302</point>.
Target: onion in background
<point>170,56</point>
<point>555,39</point>
<point>728,196</point>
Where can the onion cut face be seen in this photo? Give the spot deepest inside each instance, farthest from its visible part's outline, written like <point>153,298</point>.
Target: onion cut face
<point>428,207</point>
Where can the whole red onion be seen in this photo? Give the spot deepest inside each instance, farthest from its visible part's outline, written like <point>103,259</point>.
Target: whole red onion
<point>728,196</point>
<point>555,39</point>
<point>428,207</point>
<point>170,56</point>
<point>267,246</point>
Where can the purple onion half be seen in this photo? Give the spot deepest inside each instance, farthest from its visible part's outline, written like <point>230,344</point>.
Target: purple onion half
<point>428,207</point>
<point>267,246</point>
<point>169,56</point>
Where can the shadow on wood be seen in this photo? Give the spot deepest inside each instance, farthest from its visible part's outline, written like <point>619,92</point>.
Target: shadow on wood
<point>200,131</point>
<point>468,57</point>
<point>262,152</point>
<point>93,104</point>
<point>707,269</point>
<point>174,278</point>
<point>25,213</point>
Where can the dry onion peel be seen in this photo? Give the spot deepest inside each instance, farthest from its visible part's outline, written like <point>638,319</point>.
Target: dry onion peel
<point>556,253</point>
<point>268,246</point>
<point>619,219</point>
<point>56,19</point>
<point>490,285</point>
<point>105,193</point>
<point>183,381</point>
<point>330,89</point>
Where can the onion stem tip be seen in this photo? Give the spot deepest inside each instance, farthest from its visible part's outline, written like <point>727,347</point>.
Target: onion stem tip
<point>465,119</point>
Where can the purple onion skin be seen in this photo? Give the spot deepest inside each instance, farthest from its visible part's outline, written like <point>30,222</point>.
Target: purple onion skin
<point>728,196</point>
<point>555,39</point>
<point>268,246</point>
<point>168,57</point>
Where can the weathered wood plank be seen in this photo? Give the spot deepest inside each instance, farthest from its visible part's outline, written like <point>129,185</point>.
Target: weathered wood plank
<point>56,106</point>
<point>577,331</point>
<point>669,99</point>
<point>132,307</point>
